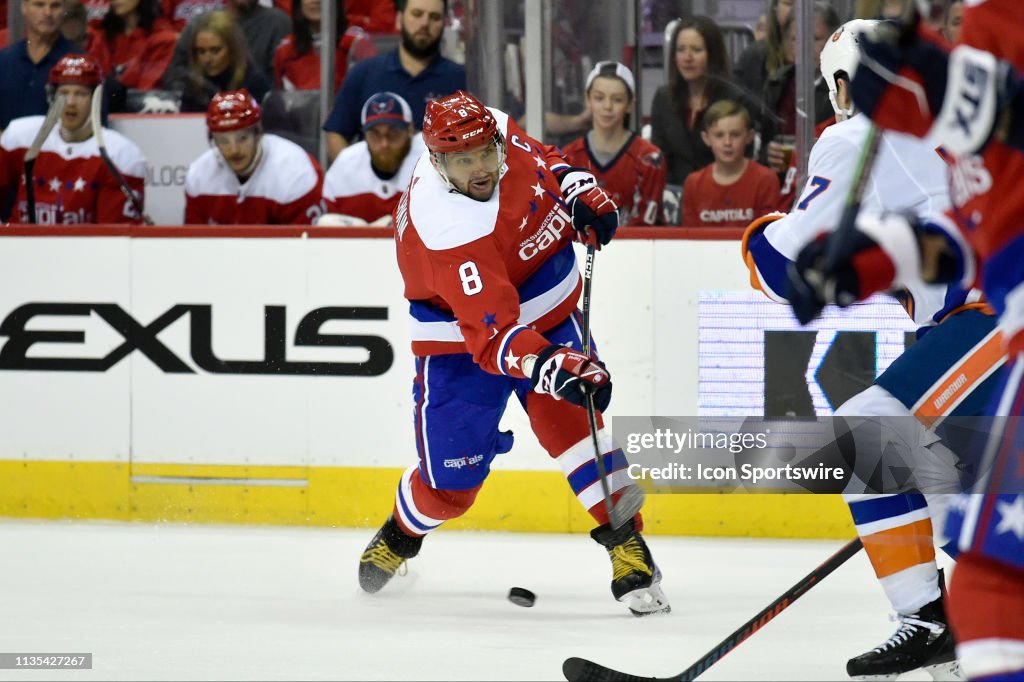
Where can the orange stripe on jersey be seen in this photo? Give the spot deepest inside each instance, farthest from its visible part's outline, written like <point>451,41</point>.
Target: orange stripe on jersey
<point>900,548</point>
<point>962,378</point>
<point>981,306</point>
<point>753,228</point>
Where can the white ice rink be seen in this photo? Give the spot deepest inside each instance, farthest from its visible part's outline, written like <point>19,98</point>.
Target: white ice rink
<point>178,602</point>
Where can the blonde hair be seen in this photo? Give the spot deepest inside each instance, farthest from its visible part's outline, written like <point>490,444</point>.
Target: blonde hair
<point>219,23</point>
<point>724,108</point>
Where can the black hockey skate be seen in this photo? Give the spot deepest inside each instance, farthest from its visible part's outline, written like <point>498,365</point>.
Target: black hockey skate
<point>923,640</point>
<point>635,576</point>
<point>385,554</point>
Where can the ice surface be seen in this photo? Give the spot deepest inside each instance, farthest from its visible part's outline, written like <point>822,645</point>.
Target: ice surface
<point>183,602</point>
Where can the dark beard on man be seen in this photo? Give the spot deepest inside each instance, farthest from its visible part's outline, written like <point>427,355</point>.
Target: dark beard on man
<point>418,50</point>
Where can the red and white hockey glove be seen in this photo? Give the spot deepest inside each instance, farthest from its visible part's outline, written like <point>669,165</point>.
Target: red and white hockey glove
<point>595,215</point>
<point>568,375</point>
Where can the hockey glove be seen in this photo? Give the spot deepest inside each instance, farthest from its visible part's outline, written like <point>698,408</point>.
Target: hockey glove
<point>567,375</point>
<point>594,214</point>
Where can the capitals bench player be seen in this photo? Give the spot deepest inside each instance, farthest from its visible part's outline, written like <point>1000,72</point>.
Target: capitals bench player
<point>484,245</point>
<point>72,184</point>
<point>914,82</point>
<point>250,178</point>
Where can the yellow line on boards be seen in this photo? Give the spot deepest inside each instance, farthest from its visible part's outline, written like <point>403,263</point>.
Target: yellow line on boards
<point>526,501</point>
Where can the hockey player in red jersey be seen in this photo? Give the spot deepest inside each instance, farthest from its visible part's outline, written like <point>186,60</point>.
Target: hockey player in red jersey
<point>484,245</point>
<point>72,184</point>
<point>915,83</point>
<point>250,178</point>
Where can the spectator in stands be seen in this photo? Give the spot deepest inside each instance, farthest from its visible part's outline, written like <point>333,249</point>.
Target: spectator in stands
<point>364,183</point>
<point>71,183</point>
<point>297,58</point>
<point>951,18</point>
<point>220,63</point>
<point>133,44</point>
<point>765,55</point>
<point>779,95</point>
<point>416,70</point>
<point>700,79</point>
<point>25,66</point>
<point>249,178</point>
<point>732,190</point>
<point>263,28</point>
<point>630,168</point>
<point>180,12</point>
<point>761,27</point>
<point>372,16</point>
<point>75,26</point>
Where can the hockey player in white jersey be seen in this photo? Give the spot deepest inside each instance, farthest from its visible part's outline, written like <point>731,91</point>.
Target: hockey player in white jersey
<point>957,338</point>
<point>71,183</point>
<point>365,182</point>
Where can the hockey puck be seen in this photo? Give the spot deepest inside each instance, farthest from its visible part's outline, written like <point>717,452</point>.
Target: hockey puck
<point>521,596</point>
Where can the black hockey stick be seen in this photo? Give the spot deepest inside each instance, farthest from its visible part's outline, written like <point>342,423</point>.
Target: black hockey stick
<point>582,670</point>
<point>632,498</point>
<point>52,118</point>
<point>97,132</point>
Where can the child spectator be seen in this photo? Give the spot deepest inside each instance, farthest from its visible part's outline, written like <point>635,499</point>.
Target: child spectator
<point>297,58</point>
<point>133,43</point>
<point>219,63</point>
<point>733,190</point>
<point>630,168</point>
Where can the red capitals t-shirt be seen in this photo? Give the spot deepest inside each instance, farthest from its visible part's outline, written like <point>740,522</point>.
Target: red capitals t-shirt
<point>709,204</point>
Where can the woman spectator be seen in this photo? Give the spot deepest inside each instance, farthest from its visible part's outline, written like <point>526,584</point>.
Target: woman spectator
<point>780,90</point>
<point>133,43</point>
<point>627,166</point>
<point>219,62</point>
<point>764,56</point>
<point>952,15</point>
<point>700,79</point>
<point>297,58</point>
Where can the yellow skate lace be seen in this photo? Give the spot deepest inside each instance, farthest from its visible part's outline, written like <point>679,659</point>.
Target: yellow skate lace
<point>382,557</point>
<point>628,558</point>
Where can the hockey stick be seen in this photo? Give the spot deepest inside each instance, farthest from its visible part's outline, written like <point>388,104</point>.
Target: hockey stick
<point>52,118</point>
<point>97,132</point>
<point>632,498</point>
<point>582,670</point>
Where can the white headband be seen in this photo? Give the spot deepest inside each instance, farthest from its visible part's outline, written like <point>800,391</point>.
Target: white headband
<point>620,71</point>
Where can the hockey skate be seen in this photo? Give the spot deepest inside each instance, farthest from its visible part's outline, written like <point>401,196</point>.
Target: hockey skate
<point>923,640</point>
<point>385,555</point>
<point>635,576</point>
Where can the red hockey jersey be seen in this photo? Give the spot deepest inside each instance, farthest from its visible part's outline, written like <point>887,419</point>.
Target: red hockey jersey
<point>352,188</point>
<point>72,184</point>
<point>283,190</point>
<point>635,178</point>
<point>487,277</point>
<point>709,204</point>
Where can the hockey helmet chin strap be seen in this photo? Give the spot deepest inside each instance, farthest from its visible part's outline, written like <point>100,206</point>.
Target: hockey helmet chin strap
<point>841,113</point>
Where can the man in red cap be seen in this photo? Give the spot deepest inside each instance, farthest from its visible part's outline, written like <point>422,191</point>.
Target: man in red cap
<point>71,183</point>
<point>250,178</point>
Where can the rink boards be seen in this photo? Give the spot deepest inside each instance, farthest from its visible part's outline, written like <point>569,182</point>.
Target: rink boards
<point>258,376</point>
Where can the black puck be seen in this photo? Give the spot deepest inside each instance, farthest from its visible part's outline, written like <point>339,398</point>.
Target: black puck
<point>520,596</point>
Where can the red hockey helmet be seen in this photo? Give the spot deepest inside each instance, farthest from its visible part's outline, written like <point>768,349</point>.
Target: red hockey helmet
<point>233,110</point>
<point>456,123</point>
<point>76,69</point>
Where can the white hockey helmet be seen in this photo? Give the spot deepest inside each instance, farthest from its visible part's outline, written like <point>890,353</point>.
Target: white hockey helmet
<point>841,55</point>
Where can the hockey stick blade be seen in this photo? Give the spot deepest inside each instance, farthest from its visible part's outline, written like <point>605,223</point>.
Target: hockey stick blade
<point>582,670</point>
<point>627,506</point>
<point>97,132</point>
<point>52,118</point>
